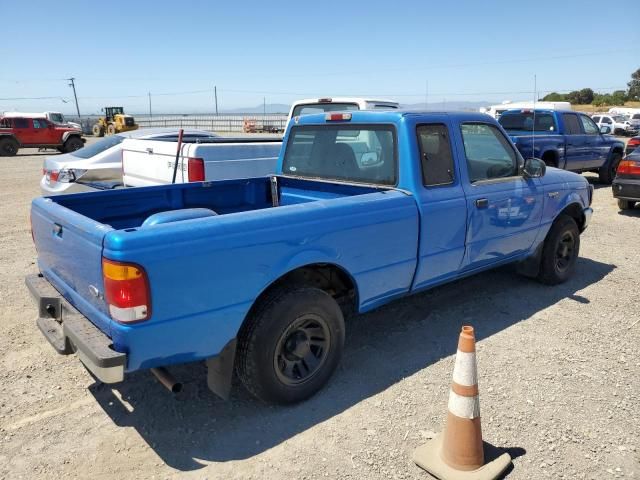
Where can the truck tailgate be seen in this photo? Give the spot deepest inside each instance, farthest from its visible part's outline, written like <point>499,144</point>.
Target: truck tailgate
<point>70,256</point>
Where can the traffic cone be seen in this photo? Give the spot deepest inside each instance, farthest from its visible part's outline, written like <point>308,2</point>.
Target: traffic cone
<point>460,453</point>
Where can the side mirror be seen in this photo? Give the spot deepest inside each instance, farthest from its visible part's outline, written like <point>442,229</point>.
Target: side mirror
<point>534,168</point>
<point>605,129</point>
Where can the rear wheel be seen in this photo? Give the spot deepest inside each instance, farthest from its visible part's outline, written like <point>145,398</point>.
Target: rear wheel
<point>8,147</point>
<point>73,144</point>
<point>97,130</point>
<point>560,251</point>
<point>626,204</point>
<point>111,129</point>
<point>608,171</point>
<point>291,344</point>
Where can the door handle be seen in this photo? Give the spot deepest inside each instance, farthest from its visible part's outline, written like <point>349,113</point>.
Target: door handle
<point>482,202</point>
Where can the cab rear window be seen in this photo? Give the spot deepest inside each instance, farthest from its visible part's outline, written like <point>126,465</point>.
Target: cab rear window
<point>354,153</point>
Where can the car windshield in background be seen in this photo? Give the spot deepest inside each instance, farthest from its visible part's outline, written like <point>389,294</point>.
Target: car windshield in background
<point>544,122</point>
<point>98,147</point>
<point>323,107</point>
<point>354,153</point>
<point>619,119</point>
<point>56,117</point>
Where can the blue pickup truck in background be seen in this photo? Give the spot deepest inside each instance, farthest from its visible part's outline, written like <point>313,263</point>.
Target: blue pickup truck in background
<point>564,139</point>
<point>256,275</point>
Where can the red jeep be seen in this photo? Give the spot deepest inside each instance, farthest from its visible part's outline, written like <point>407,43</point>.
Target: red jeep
<point>19,132</point>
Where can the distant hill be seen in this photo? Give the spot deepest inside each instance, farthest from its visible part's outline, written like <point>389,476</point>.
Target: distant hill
<point>270,108</point>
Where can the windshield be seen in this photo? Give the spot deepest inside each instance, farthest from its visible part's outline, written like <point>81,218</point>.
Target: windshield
<point>98,147</point>
<point>308,108</point>
<point>618,118</point>
<point>544,122</point>
<point>56,117</point>
<point>355,153</point>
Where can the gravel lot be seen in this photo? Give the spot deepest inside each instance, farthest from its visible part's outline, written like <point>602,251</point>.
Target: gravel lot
<point>558,375</point>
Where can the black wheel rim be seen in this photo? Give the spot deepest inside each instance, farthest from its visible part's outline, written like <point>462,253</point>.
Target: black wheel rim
<point>565,251</point>
<point>302,350</point>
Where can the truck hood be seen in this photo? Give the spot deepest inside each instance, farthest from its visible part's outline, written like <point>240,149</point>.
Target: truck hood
<point>556,175</point>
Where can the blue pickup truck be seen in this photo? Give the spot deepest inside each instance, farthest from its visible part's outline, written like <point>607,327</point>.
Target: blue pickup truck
<point>256,275</point>
<point>564,139</point>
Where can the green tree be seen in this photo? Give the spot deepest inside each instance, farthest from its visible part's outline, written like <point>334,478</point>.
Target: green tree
<point>586,96</point>
<point>554,97</point>
<point>619,97</point>
<point>634,86</point>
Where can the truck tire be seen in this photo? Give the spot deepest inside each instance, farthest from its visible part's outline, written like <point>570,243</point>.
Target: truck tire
<point>8,147</point>
<point>607,172</point>
<point>111,129</point>
<point>73,144</point>
<point>97,130</point>
<point>291,344</point>
<point>560,251</point>
<point>626,204</point>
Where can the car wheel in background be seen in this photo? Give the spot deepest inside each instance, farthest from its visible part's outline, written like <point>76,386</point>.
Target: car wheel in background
<point>607,172</point>
<point>560,251</point>
<point>291,344</point>
<point>73,144</point>
<point>626,204</point>
<point>8,147</point>
<point>111,129</point>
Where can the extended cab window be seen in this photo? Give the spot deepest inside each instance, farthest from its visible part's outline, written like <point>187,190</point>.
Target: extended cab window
<point>590,128</point>
<point>435,155</point>
<point>489,154</point>
<point>355,153</point>
<point>540,122</point>
<point>20,123</point>
<point>571,124</point>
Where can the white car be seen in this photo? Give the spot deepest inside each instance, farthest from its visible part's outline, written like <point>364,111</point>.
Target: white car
<point>337,104</point>
<point>100,162</point>
<point>618,124</point>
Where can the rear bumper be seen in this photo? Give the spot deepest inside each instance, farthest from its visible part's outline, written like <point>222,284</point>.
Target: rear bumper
<point>68,331</point>
<point>626,188</point>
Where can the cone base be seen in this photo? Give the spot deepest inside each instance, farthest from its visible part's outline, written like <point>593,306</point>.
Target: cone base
<point>428,458</point>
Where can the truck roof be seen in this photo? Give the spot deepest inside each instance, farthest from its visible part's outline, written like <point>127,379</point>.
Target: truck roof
<point>343,100</point>
<point>392,116</point>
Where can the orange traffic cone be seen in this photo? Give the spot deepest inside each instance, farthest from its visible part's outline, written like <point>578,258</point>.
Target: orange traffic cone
<point>460,453</point>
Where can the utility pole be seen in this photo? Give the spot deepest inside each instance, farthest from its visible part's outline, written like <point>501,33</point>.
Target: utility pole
<point>150,114</point>
<point>426,95</point>
<point>72,84</point>
<point>215,96</point>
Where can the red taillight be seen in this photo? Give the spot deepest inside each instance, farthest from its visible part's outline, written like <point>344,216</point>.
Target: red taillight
<point>628,167</point>
<point>53,175</point>
<point>336,117</point>
<point>126,291</point>
<point>633,142</point>
<point>195,168</point>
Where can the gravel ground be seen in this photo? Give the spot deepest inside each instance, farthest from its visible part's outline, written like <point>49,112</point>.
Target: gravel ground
<point>558,376</point>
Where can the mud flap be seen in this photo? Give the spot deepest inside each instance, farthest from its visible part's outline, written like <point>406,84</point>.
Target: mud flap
<point>530,266</point>
<point>220,370</point>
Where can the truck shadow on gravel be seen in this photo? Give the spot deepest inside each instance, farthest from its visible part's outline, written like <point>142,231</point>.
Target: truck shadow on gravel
<point>382,348</point>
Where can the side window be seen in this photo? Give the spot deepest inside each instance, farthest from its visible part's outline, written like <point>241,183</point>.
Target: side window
<point>590,128</point>
<point>489,154</point>
<point>571,124</point>
<point>21,123</point>
<point>435,155</point>
<point>606,120</point>
<point>39,123</point>
<point>596,119</point>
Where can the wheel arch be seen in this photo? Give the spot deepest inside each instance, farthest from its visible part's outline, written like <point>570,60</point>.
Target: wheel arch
<point>575,211</point>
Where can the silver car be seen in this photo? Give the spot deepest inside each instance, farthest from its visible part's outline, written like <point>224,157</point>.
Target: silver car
<point>99,164</point>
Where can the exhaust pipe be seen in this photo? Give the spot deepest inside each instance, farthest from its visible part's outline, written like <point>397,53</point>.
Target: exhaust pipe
<point>166,379</point>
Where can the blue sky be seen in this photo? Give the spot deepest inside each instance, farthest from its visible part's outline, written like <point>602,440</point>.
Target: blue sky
<point>467,50</point>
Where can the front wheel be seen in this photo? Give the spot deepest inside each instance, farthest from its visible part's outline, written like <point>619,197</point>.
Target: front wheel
<point>560,251</point>
<point>73,144</point>
<point>625,204</point>
<point>291,344</point>
<point>608,171</point>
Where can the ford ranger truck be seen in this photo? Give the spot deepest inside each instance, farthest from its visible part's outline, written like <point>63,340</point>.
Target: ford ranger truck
<point>568,140</point>
<point>255,275</point>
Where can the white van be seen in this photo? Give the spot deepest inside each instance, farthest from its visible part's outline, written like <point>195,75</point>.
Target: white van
<point>496,110</point>
<point>55,117</point>
<point>338,104</point>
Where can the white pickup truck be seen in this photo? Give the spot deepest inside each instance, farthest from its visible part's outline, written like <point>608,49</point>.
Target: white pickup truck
<point>152,162</point>
<point>338,104</point>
